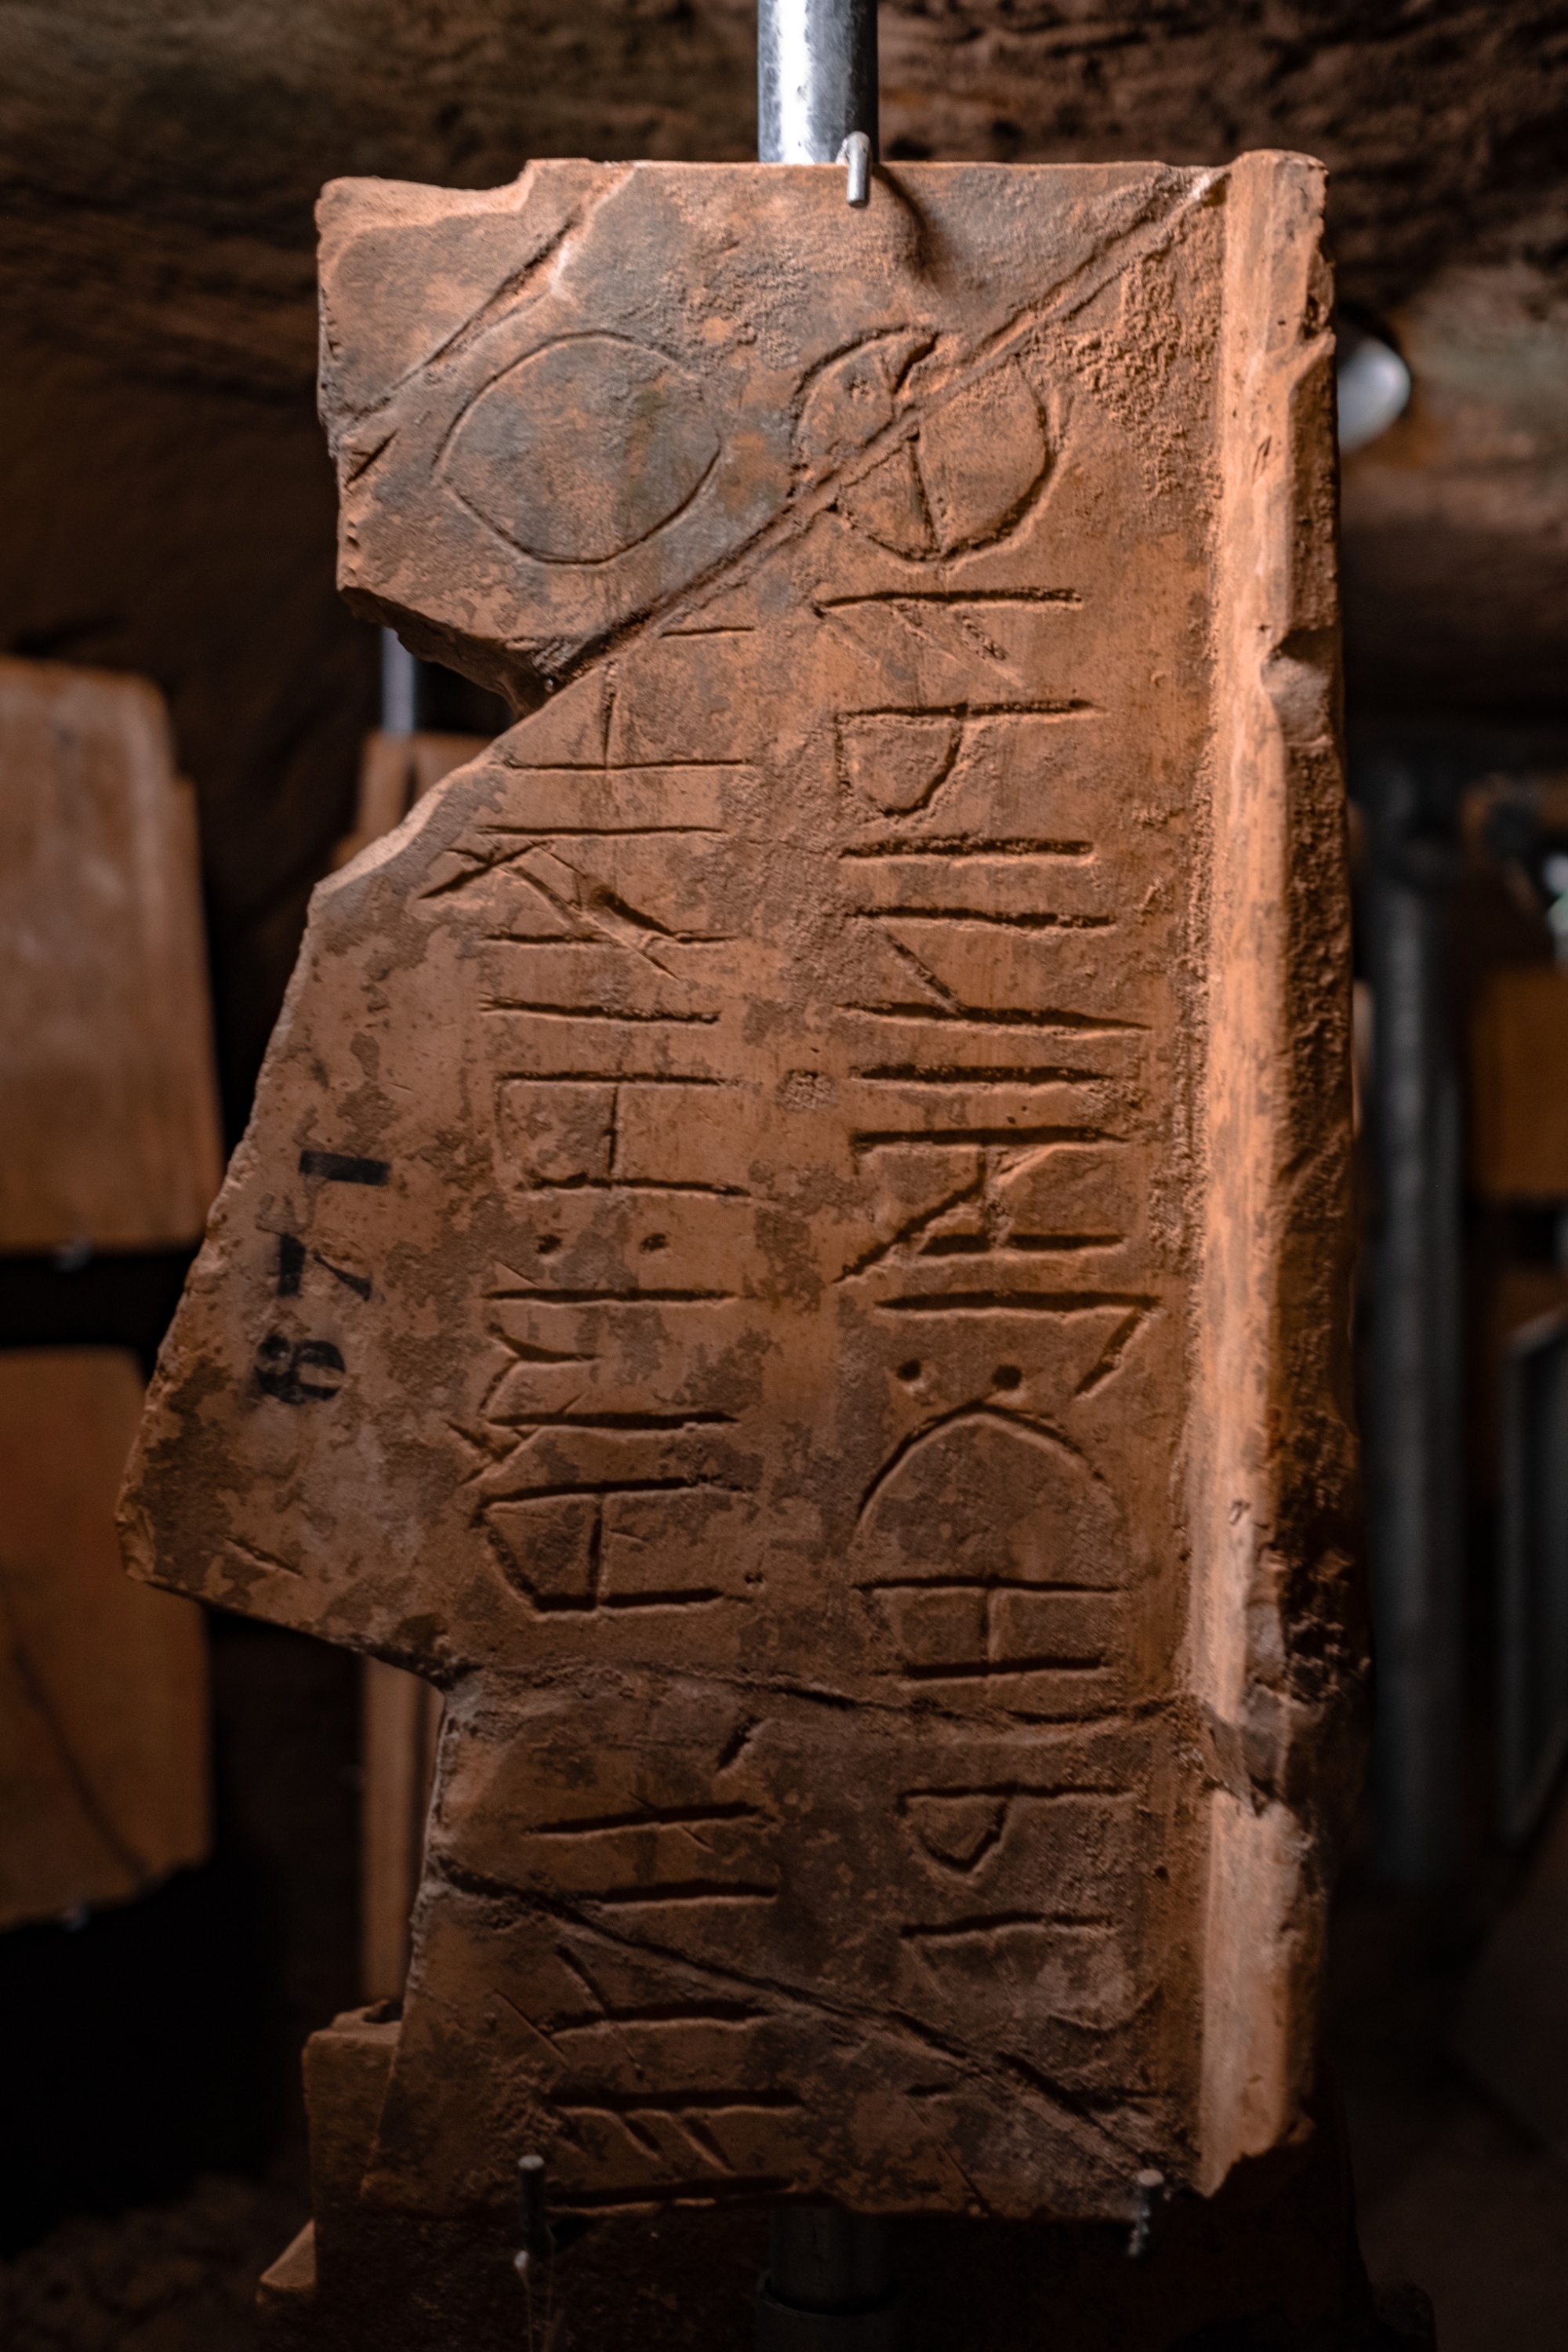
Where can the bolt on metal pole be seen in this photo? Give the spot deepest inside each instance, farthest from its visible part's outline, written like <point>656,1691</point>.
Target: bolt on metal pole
<point>817,78</point>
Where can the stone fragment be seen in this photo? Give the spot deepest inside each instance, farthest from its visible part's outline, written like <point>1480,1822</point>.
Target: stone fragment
<point>792,1253</point>
<point>107,1096</point>
<point>104,1716</point>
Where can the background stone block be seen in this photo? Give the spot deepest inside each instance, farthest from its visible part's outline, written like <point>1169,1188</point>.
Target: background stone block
<point>107,1094</point>
<point>103,1700</point>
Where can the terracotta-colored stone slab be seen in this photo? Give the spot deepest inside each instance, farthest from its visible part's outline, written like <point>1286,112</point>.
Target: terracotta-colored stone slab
<point>103,1740</point>
<point>107,1096</point>
<point>792,1248</point>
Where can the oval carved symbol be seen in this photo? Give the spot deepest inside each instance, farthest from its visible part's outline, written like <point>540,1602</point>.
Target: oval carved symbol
<point>583,448</point>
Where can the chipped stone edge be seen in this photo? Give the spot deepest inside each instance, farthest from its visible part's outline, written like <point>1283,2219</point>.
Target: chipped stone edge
<point>1275,1658</point>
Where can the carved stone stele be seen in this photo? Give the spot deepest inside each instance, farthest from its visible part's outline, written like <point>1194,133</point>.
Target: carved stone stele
<point>792,1248</point>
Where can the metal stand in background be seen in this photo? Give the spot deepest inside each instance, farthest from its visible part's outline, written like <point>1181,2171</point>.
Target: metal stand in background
<point>1532,1648</point>
<point>1416,1495</point>
<point>399,687</point>
<point>829,2286</point>
<point>829,2283</point>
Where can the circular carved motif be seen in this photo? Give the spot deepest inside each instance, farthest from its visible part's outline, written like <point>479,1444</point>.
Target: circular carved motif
<point>583,448</point>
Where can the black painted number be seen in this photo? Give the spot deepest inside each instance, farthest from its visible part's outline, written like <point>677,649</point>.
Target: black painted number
<point>308,1372</point>
<point>282,1365</point>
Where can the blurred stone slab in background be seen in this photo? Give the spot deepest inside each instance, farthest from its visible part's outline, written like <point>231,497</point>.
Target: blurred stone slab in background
<point>1519,1065</point>
<point>791,1255</point>
<point>107,1096</point>
<point>396,773</point>
<point>401,1725</point>
<point>103,1702</point>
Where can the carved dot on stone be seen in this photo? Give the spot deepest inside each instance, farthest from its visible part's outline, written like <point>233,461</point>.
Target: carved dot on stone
<point>656,1241</point>
<point>1006,1376</point>
<point>910,1371</point>
<point>583,448</point>
<point>548,1244</point>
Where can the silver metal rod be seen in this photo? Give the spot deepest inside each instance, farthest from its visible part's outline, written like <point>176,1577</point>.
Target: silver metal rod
<point>1415,1494</point>
<point>399,687</point>
<point>817,78</point>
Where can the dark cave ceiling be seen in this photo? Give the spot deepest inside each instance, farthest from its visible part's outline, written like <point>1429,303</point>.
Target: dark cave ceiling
<point>161,157</point>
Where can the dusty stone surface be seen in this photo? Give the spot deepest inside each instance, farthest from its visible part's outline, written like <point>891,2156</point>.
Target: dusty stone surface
<point>107,1093</point>
<point>791,1251</point>
<point>103,1737</point>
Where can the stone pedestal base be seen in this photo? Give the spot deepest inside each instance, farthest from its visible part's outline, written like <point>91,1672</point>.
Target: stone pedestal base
<point>1270,2264</point>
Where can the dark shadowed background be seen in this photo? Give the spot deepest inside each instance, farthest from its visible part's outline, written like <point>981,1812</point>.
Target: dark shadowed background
<point>169,510</point>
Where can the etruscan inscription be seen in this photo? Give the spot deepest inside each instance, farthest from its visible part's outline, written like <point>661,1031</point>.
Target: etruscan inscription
<point>785,1194</point>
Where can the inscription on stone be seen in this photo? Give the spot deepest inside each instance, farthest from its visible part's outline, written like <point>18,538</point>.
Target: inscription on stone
<point>789,1254</point>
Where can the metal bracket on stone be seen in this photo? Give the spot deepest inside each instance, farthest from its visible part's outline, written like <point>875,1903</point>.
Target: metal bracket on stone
<point>856,156</point>
<point>540,2240</point>
<point>1149,2188</point>
<point>537,2240</point>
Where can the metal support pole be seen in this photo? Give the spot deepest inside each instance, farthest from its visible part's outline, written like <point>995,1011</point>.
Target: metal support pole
<point>1414,1469</point>
<point>830,2285</point>
<point>399,686</point>
<point>817,78</point>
